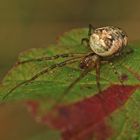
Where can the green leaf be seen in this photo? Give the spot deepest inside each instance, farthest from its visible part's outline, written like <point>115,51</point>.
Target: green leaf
<point>51,134</point>
<point>50,86</point>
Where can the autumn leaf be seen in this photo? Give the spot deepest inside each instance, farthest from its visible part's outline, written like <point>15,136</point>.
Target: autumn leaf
<point>48,88</point>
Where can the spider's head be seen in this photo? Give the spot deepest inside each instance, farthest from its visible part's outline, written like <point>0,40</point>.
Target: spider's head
<point>89,61</point>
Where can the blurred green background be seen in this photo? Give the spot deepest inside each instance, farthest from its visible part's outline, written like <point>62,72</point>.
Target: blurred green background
<point>26,24</point>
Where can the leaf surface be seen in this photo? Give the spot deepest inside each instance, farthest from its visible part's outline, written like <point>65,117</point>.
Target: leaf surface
<point>48,88</point>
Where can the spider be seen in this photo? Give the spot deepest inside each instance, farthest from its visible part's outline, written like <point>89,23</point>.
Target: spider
<point>105,43</point>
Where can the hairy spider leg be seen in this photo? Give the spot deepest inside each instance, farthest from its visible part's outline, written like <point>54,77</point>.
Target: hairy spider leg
<point>91,29</point>
<point>61,64</point>
<point>65,55</point>
<point>98,76</point>
<point>86,40</point>
<point>98,84</point>
<point>82,75</point>
<point>128,51</point>
<point>124,52</point>
<point>134,100</point>
<point>116,72</point>
<point>121,81</point>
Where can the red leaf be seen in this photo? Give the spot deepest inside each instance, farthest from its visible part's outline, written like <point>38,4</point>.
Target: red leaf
<point>85,119</point>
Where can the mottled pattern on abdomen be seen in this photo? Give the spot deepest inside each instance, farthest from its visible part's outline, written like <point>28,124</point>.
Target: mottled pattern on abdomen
<point>108,40</point>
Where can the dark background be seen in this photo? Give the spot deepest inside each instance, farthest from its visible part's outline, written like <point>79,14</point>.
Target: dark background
<point>26,24</point>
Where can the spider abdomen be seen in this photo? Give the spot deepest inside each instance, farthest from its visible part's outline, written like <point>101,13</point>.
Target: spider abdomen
<point>107,41</point>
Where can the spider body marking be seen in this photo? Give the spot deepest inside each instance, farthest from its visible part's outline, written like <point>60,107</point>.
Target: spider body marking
<point>107,41</point>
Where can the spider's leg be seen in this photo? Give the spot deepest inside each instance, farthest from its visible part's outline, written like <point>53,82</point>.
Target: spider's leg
<point>121,81</point>
<point>99,86</point>
<point>82,75</point>
<point>86,40</point>
<point>130,70</point>
<point>61,64</point>
<point>124,52</point>
<point>65,55</point>
<point>98,76</point>
<point>127,51</point>
<point>91,28</point>
<point>116,72</point>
